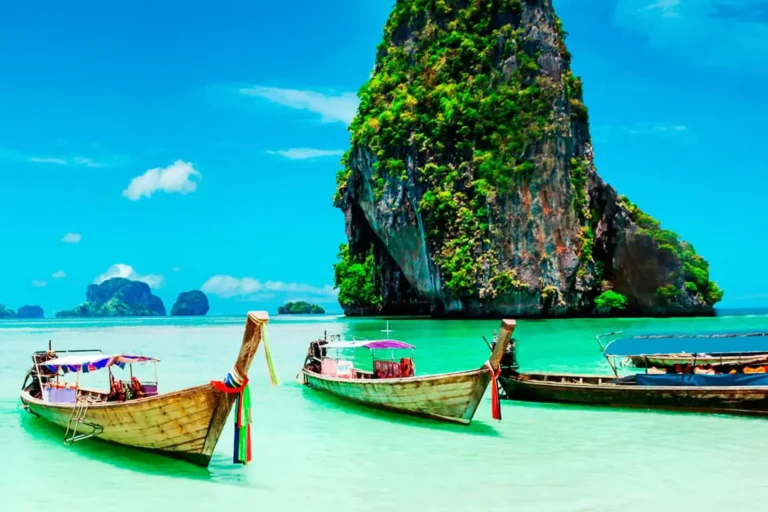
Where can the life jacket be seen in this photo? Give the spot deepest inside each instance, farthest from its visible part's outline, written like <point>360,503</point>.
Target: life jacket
<point>117,392</point>
<point>406,367</point>
<point>136,387</point>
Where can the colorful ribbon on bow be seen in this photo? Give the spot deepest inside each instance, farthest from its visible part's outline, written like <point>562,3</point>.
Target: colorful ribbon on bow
<point>237,383</point>
<point>495,400</point>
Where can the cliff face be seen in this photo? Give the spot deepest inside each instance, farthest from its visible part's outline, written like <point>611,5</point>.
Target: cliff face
<point>470,186</point>
<point>117,297</point>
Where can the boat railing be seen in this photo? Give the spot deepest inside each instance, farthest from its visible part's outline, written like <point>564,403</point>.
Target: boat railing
<point>602,339</point>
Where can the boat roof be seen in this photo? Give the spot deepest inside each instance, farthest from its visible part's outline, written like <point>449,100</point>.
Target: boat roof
<point>375,344</point>
<point>719,343</point>
<point>92,362</point>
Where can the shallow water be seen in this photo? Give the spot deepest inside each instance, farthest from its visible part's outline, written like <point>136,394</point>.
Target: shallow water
<point>314,451</point>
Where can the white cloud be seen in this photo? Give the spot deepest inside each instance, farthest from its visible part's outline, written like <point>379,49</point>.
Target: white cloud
<point>657,129</point>
<point>226,286</point>
<point>38,284</point>
<point>668,8</point>
<point>604,133</point>
<point>59,274</point>
<point>72,238</point>
<point>332,108</point>
<point>721,33</point>
<point>175,178</point>
<point>78,160</point>
<point>39,160</point>
<point>306,153</point>
<point>126,271</point>
<point>176,269</point>
<point>87,162</point>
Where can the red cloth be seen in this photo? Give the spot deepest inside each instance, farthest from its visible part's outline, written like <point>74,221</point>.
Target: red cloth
<point>223,387</point>
<point>495,401</point>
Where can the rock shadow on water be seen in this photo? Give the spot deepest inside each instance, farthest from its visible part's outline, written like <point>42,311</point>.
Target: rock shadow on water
<point>221,469</point>
<point>343,406</point>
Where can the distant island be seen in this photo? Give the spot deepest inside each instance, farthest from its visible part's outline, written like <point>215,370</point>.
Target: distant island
<point>117,297</point>
<point>193,303</point>
<point>23,312</point>
<point>300,308</point>
<point>30,312</point>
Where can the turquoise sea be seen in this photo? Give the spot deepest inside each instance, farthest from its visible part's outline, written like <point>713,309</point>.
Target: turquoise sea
<point>313,452</point>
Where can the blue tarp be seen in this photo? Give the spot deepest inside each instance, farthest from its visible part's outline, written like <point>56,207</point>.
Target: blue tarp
<point>692,379</point>
<point>712,344</point>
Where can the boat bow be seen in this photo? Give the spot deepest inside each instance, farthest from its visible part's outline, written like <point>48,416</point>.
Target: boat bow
<point>235,388</point>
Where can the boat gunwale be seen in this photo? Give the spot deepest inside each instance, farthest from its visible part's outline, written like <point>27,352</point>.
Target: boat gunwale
<point>583,385</point>
<point>172,394</point>
<point>398,380</point>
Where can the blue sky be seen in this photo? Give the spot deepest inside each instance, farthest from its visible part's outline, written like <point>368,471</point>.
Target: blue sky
<point>198,144</point>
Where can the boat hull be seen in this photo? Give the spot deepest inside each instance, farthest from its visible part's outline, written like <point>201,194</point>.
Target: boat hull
<point>603,391</point>
<point>175,424</point>
<point>452,397</point>
<point>184,424</point>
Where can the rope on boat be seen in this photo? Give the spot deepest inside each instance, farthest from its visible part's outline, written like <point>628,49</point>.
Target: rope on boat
<point>273,378</point>
<point>495,401</point>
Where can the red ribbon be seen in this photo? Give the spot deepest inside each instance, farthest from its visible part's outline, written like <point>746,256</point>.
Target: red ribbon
<point>495,400</point>
<point>221,386</point>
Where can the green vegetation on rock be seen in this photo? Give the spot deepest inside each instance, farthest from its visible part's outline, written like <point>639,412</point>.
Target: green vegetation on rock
<point>300,308</point>
<point>610,300</point>
<point>471,171</point>
<point>472,119</point>
<point>355,278</point>
<point>694,268</point>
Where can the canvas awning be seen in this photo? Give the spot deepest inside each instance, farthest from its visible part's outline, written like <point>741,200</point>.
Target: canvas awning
<point>372,345</point>
<point>92,362</point>
<point>713,344</point>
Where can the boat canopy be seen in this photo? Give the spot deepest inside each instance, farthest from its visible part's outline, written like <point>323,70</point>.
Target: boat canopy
<point>714,344</point>
<point>92,362</point>
<point>371,345</point>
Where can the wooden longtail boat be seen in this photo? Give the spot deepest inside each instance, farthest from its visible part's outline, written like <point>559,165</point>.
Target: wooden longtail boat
<point>720,348</point>
<point>184,424</point>
<point>719,376</point>
<point>451,397</point>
